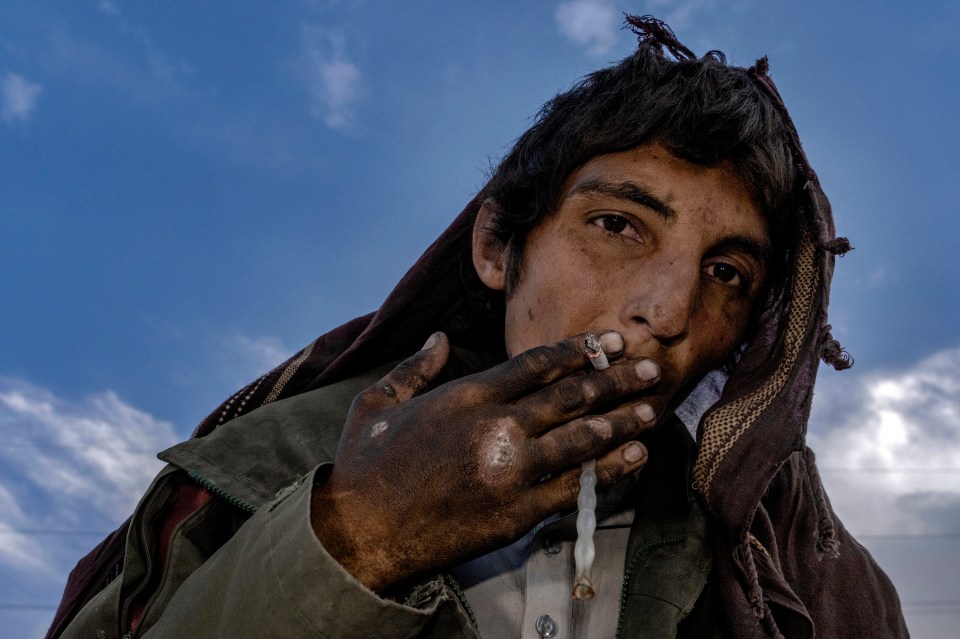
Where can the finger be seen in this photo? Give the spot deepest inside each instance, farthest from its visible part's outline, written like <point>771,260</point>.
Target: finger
<point>579,395</point>
<point>561,491</point>
<point>409,377</point>
<point>588,438</point>
<point>543,365</point>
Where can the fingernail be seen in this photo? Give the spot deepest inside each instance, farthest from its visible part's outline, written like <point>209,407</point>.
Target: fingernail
<point>645,412</point>
<point>431,341</point>
<point>633,453</point>
<point>612,343</point>
<point>647,370</point>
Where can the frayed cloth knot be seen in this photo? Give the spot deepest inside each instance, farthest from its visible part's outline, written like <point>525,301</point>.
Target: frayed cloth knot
<point>835,355</point>
<point>827,542</point>
<point>654,32</point>
<point>829,546</point>
<point>838,246</point>
<point>761,609</point>
<point>761,67</point>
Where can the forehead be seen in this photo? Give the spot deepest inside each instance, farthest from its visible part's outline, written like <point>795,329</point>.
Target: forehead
<point>678,191</point>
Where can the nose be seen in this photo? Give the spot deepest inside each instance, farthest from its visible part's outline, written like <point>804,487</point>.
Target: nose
<point>662,300</point>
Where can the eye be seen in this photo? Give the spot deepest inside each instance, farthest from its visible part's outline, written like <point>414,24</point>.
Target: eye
<point>726,274</point>
<point>617,225</point>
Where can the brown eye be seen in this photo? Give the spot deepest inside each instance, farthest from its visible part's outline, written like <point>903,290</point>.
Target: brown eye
<point>614,223</point>
<point>726,274</point>
<point>617,225</point>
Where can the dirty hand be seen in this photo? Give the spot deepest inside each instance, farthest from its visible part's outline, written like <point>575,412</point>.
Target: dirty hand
<point>423,482</point>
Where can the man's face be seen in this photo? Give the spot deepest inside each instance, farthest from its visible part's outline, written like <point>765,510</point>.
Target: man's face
<point>670,254</point>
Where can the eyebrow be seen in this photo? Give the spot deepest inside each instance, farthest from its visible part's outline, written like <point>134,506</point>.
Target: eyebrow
<point>638,194</point>
<point>754,247</point>
<point>626,190</point>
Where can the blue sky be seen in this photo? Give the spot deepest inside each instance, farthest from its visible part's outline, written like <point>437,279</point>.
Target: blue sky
<point>190,192</point>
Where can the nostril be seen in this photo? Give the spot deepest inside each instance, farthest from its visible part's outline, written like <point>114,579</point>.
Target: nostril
<point>662,331</point>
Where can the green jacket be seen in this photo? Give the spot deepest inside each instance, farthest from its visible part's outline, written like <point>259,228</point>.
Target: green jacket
<point>245,562</point>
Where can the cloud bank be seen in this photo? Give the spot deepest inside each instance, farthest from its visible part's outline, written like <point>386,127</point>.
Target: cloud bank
<point>69,466</point>
<point>334,83</point>
<point>589,23</point>
<point>888,445</point>
<point>18,98</point>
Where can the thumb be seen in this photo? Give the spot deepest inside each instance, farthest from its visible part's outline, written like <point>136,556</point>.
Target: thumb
<point>412,375</point>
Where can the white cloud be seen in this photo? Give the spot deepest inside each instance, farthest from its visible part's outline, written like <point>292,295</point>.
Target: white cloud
<point>886,443</point>
<point>335,84</point>
<point>589,23</point>
<point>262,353</point>
<point>21,550</point>
<point>19,98</point>
<point>70,466</point>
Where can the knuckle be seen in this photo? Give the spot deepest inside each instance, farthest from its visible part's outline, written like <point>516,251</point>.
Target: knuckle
<point>387,389</point>
<point>624,424</point>
<point>597,431</point>
<point>363,401</point>
<point>585,438</point>
<point>570,398</point>
<point>608,475</point>
<point>534,365</point>
<point>570,486</point>
<point>408,365</point>
<point>409,375</point>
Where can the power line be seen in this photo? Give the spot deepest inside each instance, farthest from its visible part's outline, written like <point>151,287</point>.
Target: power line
<point>933,611</point>
<point>53,532</point>
<point>50,446</point>
<point>950,607</point>
<point>907,536</point>
<point>839,469</point>
<point>942,607</point>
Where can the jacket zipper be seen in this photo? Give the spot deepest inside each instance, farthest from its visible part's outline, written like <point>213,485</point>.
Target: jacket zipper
<point>628,572</point>
<point>454,585</point>
<point>164,573</point>
<point>208,485</point>
<point>148,561</point>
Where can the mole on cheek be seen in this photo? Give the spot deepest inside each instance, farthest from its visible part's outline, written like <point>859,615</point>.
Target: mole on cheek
<point>530,313</point>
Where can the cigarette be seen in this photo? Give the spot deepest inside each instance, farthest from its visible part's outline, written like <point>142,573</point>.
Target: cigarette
<point>595,352</point>
<point>584,550</point>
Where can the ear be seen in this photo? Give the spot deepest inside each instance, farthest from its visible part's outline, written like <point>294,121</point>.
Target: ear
<point>489,253</point>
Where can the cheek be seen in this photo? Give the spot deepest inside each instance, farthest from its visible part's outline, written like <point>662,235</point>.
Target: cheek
<point>719,333</point>
<point>552,301</point>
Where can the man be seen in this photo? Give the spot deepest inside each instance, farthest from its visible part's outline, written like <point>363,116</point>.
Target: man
<point>664,206</point>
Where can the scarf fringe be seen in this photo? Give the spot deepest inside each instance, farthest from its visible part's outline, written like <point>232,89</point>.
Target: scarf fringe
<point>827,542</point>
<point>832,353</point>
<point>653,32</point>
<point>758,602</point>
<point>838,246</point>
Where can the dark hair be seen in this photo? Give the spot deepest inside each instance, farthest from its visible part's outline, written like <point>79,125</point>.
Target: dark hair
<point>700,109</point>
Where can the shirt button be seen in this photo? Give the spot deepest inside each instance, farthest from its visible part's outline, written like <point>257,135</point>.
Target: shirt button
<point>552,544</point>
<point>546,626</point>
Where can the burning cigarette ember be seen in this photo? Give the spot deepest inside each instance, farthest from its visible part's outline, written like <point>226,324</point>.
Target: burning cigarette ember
<point>595,352</point>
